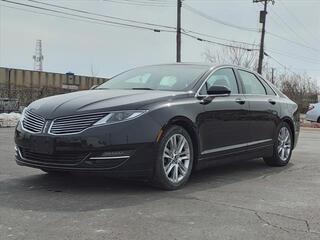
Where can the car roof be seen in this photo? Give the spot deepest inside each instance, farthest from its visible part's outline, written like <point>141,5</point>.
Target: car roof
<point>207,65</point>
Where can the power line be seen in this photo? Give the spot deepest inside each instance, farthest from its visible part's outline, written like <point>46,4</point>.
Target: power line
<point>304,27</point>
<point>292,41</point>
<point>60,16</point>
<point>158,2</point>
<point>219,38</point>
<point>185,32</point>
<point>89,18</point>
<point>195,11</point>
<point>218,43</point>
<point>274,59</point>
<point>215,1</point>
<point>100,15</point>
<point>286,67</point>
<point>288,26</point>
<point>135,21</point>
<point>140,22</point>
<point>287,39</point>
<point>296,57</point>
<point>100,20</point>
<point>189,8</point>
<point>139,3</point>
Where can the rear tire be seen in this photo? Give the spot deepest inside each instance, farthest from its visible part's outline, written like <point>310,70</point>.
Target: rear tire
<point>282,148</point>
<point>318,121</point>
<point>174,159</point>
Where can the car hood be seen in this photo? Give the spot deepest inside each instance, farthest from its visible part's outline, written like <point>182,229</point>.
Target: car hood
<point>98,100</point>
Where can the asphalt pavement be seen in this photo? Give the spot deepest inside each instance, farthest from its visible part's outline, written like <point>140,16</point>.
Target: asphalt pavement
<point>246,200</point>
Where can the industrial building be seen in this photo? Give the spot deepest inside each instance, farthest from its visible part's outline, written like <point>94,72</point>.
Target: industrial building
<point>20,86</point>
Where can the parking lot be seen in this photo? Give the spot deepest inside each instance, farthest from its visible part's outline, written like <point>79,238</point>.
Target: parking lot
<point>247,200</point>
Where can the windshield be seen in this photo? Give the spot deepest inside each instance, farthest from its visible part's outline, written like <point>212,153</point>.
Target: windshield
<point>165,77</point>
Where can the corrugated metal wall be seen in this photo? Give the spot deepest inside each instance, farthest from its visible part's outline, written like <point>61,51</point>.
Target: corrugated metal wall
<point>26,86</point>
<point>27,78</point>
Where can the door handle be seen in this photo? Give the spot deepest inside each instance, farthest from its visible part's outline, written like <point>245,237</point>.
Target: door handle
<point>273,102</point>
<point>240,101</point>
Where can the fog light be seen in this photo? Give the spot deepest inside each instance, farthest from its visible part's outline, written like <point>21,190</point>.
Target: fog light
<point>112,155</point>
<point>16,150</point>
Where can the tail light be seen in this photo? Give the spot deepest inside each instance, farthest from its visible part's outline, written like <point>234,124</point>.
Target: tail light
<point>310,107</point>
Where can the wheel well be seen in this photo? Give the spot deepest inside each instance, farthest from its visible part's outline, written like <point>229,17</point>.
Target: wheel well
<point>188,126</point>
<point>289,122</point>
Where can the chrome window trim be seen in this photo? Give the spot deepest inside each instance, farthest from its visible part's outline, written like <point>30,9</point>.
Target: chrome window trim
<point>266,82</point>
<point>257,75</point>
<point>257,78</point>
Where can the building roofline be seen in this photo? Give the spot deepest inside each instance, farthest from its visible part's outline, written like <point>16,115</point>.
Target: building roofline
<point>31,70</point>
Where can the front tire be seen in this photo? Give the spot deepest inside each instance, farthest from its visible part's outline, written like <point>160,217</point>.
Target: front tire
<point>282,148</point>
<point>174,159</point>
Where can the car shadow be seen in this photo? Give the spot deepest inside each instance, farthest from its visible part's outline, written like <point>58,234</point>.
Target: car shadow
<point>87,192</point>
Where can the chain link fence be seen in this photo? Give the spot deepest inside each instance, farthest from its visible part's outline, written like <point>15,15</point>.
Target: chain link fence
<point>9,105</point>
<point>13,99</point>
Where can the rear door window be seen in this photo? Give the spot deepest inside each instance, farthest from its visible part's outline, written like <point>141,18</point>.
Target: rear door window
<point>252,84</point>
<point>267,87</point>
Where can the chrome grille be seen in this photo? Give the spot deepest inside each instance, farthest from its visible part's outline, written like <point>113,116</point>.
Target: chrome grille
<point>33,122</point>
<point>74,124</point>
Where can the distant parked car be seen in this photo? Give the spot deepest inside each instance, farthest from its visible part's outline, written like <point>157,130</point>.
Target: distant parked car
<point>160,122</point>
<point>313,114</point>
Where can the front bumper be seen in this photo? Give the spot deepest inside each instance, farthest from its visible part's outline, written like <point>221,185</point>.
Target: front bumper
<point>311,116</point>
<point>119,149</point>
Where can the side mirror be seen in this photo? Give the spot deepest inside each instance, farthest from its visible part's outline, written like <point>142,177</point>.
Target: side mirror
<point>219,90</point>
<point>93,87</point>
<point>215,91</point>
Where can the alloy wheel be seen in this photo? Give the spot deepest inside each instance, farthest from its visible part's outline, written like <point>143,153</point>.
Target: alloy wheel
<point>176,158</point>
<point>284,144</point>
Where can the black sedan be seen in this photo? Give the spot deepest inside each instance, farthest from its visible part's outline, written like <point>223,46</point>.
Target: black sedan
<point>160,123</point>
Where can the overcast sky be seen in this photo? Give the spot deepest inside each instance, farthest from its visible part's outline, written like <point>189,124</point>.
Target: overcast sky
<point>74,45</point>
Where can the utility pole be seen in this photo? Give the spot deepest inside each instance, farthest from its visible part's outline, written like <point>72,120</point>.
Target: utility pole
<point>263,16</point>
<point>9,82</point>
<point>179,5</point>
<point>272,75</point>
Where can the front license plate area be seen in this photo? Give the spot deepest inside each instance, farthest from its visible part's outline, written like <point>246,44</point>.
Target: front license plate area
<point>42,144</point>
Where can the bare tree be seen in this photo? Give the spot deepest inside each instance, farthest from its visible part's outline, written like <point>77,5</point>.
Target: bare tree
<point>299,87</point>
<point>237,55</point>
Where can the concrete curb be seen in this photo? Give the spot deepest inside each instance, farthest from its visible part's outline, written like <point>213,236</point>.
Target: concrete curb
<point>310,129</point>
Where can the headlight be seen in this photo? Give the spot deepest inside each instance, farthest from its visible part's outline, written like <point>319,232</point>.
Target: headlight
<point>121,116</point>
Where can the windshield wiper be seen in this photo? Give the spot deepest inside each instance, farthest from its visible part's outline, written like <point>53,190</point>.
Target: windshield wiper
<point>142,88</point>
